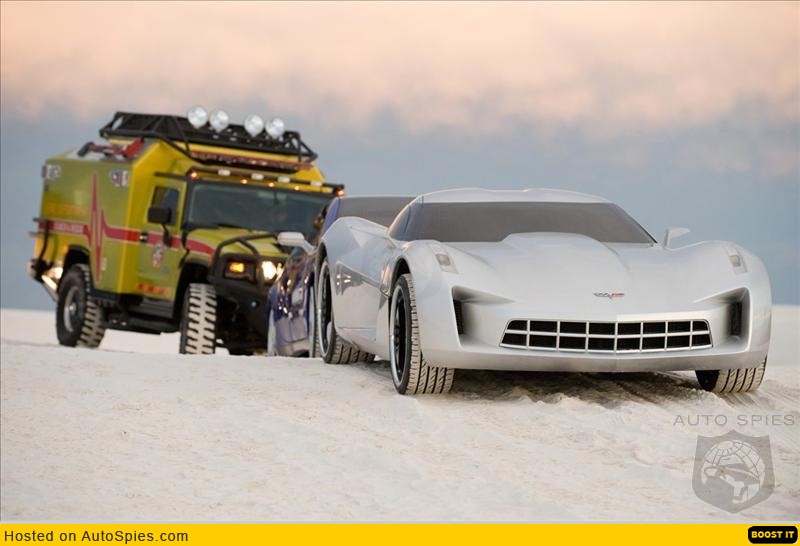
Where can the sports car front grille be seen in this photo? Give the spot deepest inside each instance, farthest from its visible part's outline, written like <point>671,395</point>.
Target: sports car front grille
<point>607,337</point>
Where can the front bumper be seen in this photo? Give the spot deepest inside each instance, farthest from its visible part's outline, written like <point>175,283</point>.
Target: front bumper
<point>472,355</point>
<point>479,343</point>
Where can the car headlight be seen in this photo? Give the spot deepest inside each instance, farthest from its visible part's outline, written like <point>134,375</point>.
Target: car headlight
<point>736,260</point>
<point>443,258</point>
<point>270,270</point>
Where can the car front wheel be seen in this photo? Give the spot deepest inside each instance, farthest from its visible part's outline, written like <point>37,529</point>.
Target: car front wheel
<point>411,373</point>
<point>731,381</point>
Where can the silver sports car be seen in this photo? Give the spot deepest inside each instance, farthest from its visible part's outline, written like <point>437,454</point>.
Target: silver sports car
<point>537,279</point>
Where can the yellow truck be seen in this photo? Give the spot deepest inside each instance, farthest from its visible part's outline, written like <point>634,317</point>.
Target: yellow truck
<point>169,224</point>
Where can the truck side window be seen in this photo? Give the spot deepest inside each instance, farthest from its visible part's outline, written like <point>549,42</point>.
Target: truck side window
<point>167,197</point>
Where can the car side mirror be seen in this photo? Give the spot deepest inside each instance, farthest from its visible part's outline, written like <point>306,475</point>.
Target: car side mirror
<point>159,215</point>
<point>673,233</point>
<point>294,239</point>
<point>163,216</point>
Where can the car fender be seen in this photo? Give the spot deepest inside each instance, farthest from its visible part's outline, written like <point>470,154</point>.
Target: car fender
<point>433,296</point>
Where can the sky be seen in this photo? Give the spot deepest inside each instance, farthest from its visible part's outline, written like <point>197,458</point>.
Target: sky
<point>686,114</point>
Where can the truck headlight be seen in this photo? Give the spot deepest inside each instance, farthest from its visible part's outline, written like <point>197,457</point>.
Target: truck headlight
<point>270,270</point>
<point>253,124</point>
<point>219,120</point>
<point>197,116</point>
<point>238,269</point>
<point>275,127</point>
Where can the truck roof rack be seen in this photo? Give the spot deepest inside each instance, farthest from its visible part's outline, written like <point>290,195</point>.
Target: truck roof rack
<point>176,130</point>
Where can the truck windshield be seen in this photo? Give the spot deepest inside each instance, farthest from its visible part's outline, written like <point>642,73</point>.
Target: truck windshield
<point>492,222</point>
<point>252,207</point>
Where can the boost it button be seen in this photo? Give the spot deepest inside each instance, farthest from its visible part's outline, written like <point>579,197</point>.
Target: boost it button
<point>772,534</point>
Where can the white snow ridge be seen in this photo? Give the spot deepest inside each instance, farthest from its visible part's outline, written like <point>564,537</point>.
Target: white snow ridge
<point>119,435</point>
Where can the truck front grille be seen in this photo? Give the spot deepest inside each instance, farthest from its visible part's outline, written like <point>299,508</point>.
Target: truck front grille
<point>607,337</point>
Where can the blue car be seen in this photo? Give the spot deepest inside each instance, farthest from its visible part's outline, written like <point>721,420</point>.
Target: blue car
<point>290,304</point>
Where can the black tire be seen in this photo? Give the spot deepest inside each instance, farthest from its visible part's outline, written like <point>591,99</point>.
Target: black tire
<point>731,381</point>
<point>311,320</point>
<point>247,352</point>
<point>80,321</point>
<point>271,349</point>
<point>199,320</point>
<point>332,348</point>
<point>411,374</point>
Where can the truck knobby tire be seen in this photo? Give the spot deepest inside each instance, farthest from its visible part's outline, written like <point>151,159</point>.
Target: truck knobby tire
<point>80,321</point>
<point>199,320</point>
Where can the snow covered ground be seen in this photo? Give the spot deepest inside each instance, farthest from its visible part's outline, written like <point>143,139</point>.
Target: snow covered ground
<point>136,432</point>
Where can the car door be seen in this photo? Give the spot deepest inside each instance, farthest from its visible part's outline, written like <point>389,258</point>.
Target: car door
<point>158,261</point>
<point>361,283</point>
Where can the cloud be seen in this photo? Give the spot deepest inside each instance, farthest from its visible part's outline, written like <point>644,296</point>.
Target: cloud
<point>606,69</point>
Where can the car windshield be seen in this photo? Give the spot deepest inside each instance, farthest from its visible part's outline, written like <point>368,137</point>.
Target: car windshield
<point>254,208</point>
<point>380,210</point>
<point>492,222</point>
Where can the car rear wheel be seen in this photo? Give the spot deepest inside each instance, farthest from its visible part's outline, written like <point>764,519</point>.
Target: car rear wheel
<point>80,321</point>
<point>199,320</point>
<point>332,348</point>
<point>411,374</point>
<point>731,381</point>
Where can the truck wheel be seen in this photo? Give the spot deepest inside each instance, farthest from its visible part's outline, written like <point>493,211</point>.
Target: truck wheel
<point>332,348</point>
<point>411,373</point>
<point>729,381</point>
<point>199,320</point>
<point>80,322</point>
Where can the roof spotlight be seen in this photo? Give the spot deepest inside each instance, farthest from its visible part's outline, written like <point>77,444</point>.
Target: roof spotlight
<point>253,124</point>
<point>275,127</point>
<point>197,116</point>
<point>219,120</point>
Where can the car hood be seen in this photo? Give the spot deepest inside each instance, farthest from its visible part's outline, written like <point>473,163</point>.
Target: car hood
<point>560,270</point>
<point>205,241</point>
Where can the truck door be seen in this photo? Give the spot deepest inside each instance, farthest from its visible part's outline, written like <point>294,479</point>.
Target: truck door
<point>158,259</point>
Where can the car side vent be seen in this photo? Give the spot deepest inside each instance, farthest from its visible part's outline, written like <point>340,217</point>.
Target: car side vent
<point>459,316</point>
<point>735,311</point>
